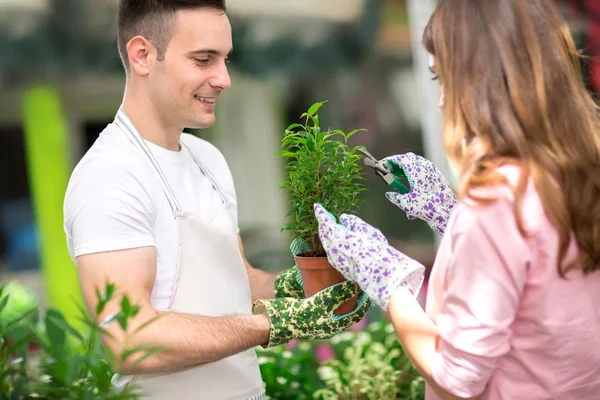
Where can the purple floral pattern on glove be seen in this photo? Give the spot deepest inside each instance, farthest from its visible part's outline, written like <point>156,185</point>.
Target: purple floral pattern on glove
<point>430,198</point>
<point>362,254</point>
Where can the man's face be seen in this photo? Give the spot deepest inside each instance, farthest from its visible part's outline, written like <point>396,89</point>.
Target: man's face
<point>187,83</point>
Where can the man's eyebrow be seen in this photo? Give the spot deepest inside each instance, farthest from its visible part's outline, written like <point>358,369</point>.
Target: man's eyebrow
<point>207,51</point>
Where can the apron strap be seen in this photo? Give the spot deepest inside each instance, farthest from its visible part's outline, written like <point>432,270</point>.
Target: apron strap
<point>123,121</point>
<point>207,173</point>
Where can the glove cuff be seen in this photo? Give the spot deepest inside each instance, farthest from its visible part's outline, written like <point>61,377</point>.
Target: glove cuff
<point>411,277</point>
<point>280,331</point>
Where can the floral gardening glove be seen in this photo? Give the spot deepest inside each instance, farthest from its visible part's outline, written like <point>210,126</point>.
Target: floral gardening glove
<point>313,317</point>
<point>362,254</point>
<point>430,198</point>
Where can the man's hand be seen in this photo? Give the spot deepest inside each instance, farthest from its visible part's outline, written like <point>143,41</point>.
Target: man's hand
<point>313,317</point>
<point>289,284</point>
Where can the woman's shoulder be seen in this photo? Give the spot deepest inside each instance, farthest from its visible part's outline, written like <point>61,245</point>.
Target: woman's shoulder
<point>500,200</point>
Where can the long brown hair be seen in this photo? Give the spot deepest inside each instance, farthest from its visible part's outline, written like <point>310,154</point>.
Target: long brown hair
<point>514,93</point>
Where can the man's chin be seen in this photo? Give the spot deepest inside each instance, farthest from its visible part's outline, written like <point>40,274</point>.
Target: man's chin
<point>202,123</point>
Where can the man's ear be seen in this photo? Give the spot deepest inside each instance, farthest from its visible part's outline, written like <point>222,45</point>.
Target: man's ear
<point>142,55</point>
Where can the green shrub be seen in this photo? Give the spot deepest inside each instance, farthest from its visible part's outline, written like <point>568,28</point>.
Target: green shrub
<point>366,365</point>
<point>321,168</point>
<point>43,356</point>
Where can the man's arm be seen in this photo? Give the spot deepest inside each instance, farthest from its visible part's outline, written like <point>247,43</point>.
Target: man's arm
<point>189,339</point>
<point>262,283</point>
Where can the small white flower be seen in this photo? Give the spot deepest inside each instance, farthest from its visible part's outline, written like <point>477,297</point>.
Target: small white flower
<point>281,380</point>
<point>17,360</point>
<point>287,354</point>
<point>326,373</point>
<point>295,385</point>
<point>374,326</point>
<point>263,360</point>
<point>304,346</point>
<point>295,369</point>
<point>389,328</point>
<point>342,337</point>
<point>362,338</point>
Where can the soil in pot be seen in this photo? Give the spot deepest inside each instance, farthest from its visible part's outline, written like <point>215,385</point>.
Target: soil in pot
<point>318,274</point>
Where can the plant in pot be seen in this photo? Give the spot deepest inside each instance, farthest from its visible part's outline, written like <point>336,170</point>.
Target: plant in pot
<point>321,168</point>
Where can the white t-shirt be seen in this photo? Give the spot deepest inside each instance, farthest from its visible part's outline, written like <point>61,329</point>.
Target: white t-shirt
<point>114,200</point>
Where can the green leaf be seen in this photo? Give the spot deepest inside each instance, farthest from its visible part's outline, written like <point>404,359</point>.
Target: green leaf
<point>123,320</point>
<point>287,154</point>
<point>293,126</point>
<point>350,134</point>
<point>310,144</point>
<point>315,108</point>
<point>3,302</point>
<point>138,349</point>
<point>18,344</point>
<point>60,321</point>
<point>101,302</point>
<point>20,318</point>
<point>61,370</point>
<point>147,323</point>
<point>55,330</point>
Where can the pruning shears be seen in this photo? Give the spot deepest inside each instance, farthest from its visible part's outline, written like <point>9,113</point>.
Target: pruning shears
<point>384,171</point>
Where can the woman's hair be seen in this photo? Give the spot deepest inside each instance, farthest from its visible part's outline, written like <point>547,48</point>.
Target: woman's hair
<point>514,93</point>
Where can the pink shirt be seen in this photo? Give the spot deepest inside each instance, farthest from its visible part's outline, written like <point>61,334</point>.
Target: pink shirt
<point>510,328</point>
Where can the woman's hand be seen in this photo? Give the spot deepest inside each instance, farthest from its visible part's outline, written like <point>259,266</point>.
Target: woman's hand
<point>362,254</point>
<point>430,198</point>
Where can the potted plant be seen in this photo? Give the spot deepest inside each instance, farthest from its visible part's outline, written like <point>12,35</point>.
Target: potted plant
<point>321,168</point>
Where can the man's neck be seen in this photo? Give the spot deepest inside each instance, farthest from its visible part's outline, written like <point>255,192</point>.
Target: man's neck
<point>149,123</point>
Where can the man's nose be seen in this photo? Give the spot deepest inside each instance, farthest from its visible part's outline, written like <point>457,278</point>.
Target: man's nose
<point>221,78</point>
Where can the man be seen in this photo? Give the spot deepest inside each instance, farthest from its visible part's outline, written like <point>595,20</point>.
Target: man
<point>154,211</point>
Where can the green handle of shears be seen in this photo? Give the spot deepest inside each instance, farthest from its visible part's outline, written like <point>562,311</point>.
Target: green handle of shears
<point>396,184</point>
<point>399,187</point>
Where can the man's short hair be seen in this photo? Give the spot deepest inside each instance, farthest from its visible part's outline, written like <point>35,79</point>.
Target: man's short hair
<point>154,20</point>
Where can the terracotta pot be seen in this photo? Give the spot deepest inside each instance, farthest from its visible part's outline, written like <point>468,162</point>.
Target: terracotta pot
<point>318,274</point>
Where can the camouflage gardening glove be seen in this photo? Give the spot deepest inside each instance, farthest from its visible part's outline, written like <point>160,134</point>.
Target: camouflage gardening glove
<point>289,282</point>
<point>430,198</point>
<point>313,317</point>
<point>362,254</point>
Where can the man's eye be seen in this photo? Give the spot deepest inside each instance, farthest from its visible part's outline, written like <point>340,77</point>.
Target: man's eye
<point>202,61</point>
<point>435,77</point>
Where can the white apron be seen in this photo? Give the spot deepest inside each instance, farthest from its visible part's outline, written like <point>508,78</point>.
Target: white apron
<point>210,280</point>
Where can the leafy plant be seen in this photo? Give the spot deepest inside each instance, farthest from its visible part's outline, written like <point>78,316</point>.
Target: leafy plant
<point>321,168</point>
<point>366,365</point>
<point>370,365</point>
<point>67,364</point>
<point>289,373</point>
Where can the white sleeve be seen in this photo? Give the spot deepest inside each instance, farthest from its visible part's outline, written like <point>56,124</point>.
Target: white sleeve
<point>108,208</point>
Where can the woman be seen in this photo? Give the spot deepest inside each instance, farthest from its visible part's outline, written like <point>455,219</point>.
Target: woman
<point>513,307</point>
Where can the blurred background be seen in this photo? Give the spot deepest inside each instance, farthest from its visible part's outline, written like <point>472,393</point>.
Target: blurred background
<point>61,83</point>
